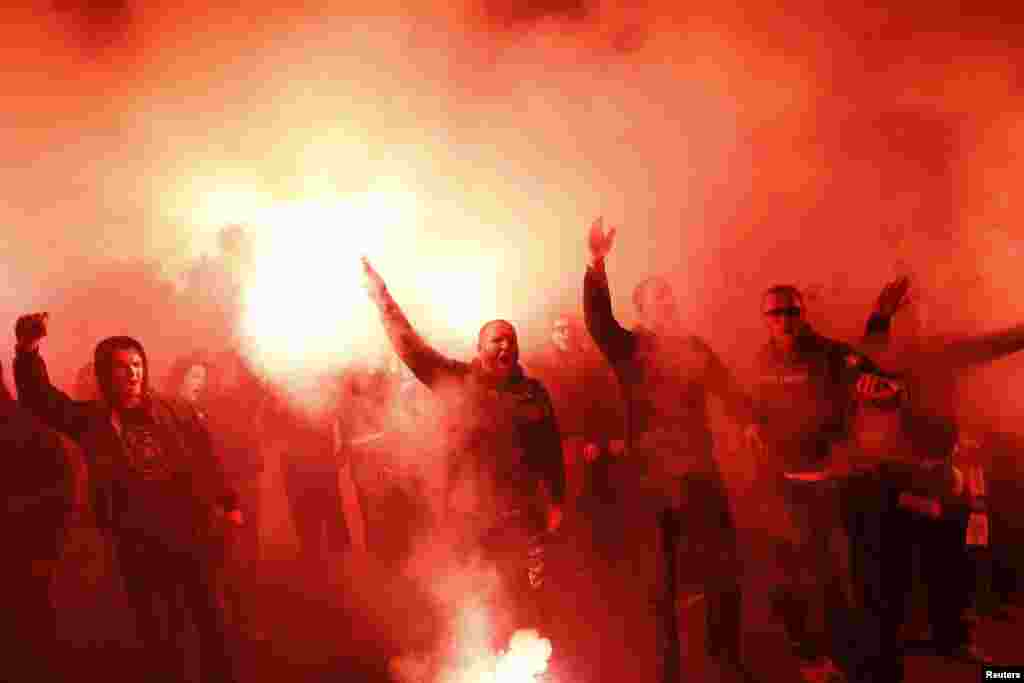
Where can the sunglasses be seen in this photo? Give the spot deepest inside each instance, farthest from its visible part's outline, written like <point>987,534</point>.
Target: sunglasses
<point>788,312</point>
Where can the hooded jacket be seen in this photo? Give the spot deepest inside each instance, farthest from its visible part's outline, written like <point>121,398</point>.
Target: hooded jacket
<point>502,437</point>
<point>148,477</point>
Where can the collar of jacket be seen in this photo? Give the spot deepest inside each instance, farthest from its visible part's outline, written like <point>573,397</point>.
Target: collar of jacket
<point>489,381</point>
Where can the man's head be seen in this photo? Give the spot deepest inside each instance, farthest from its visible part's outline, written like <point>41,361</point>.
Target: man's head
<point>498,348</point>
<point>565,333</point>
<point>189,377</point>
<point>782,308</point>
<point>193,383</point>
<point>656,304</point>
<point>121,371</point>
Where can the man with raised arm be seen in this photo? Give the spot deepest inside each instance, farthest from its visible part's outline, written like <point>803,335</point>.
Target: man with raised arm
<point>666,376</point>
<point>166,502</point>
<point>927,504</point>
<point>502,439</point>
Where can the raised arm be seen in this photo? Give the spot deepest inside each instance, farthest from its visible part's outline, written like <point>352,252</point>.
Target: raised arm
<point>968,352</point>
<point>35,391</point>
<point>955,354</point>
<point>877,330</point>
<point>426,363</point>
<point>615,342</point>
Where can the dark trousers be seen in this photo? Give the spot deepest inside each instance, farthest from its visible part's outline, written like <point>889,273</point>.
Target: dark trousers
<point>697,547</point>
<point>882,541</point>
<point>28,623</point>
<point>518,548</point>
<point>240,564</point>
<point>945,573</point>
<point>153,575</point>
<point>879,568</point>
<point>984,598</point>
<point>395,513</point>
<point>810,600</point>
<point>314,497</point>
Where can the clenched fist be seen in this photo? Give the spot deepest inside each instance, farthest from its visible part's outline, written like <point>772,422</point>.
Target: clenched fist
<point>30,329</point>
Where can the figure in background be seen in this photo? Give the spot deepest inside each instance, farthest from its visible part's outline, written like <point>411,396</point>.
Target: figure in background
<point>236,405</point>
<point>666,375</point>
<point>588,407</point>
<point>310,467</point>
<point>44,480</point>
<point>383,424</point>
<point>971,476</point>
<point>923,423</point>
<point>167,502</point>
<point>589,562</point>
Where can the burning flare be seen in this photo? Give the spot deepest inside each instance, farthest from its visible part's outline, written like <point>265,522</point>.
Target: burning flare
<point>471,659</point>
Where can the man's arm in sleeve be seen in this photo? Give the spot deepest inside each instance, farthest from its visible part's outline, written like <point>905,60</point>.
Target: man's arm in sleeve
<point>47,402</point>
<point>544,445</point>
<point>426,363</point>
<point>615,342</point>
<point>969,352</point>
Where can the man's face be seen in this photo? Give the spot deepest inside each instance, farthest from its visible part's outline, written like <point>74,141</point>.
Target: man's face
<point>658,306</point>
<point>498,348</point>
<point>127,374</point>
<point>783,316</point>
<point>562,335</point>
<point>193,383</point>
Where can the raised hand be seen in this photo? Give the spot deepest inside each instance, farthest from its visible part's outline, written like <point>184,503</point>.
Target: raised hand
<point>599,240</point>
<point>374,283</point>
<point>893,297</point>
<point>30,329</point>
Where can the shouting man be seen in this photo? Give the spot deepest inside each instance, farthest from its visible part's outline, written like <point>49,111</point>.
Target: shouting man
<point>502,440</point>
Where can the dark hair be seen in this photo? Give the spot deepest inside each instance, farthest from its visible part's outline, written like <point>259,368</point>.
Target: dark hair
<point>103,362</point>
<point>784,290</point>
<point>176,375</point>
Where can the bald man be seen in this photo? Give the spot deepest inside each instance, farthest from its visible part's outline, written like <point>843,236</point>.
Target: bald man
<point>506,476</point>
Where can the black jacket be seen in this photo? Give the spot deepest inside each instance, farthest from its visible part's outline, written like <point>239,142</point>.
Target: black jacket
<point>149,478</point>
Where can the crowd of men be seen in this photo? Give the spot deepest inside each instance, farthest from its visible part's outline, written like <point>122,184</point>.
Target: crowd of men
<point>586,473</point>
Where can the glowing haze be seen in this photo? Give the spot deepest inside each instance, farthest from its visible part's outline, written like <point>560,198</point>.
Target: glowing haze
<point>736,148</point>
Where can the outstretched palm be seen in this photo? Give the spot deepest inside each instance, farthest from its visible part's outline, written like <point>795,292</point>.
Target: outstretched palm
<point>600,241</point>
